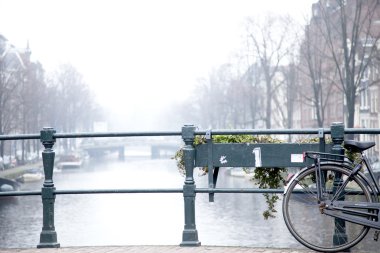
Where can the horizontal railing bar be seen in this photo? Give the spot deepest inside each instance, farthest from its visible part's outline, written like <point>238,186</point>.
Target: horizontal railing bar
<point>116,134</point>
<point>216,132</point>
<point>198,190</point>
<point>19,137</point>
<point>237,190</point>
<point>362,130</point>
<point>170,190</point>
<point>198,132</point>
<point>263,131</point>
<point>102,191</point>
<point>19,193</point>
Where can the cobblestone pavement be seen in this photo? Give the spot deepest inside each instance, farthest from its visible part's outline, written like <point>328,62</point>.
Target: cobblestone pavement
<point>156,249</point>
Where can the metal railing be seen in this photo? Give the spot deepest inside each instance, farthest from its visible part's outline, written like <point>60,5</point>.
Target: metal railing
<point>48,137</point>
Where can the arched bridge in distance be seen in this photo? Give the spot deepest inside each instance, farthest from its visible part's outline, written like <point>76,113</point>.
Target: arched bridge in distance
<point>153,148</point>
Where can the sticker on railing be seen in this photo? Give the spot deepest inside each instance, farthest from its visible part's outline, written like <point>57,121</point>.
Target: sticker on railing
<point>223,159</point>
<point>296,158</point>
<point>257,153</point>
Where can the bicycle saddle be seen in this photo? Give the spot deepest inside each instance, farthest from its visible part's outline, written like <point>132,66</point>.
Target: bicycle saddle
<point>358,146</point>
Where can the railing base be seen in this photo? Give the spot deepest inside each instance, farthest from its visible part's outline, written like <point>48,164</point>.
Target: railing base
<point>48,239</point>
<point>190,238</point>
<point>48,245</point>
<point>190,244</point>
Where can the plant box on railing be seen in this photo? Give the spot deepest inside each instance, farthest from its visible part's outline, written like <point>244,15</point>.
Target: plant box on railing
<point>255,155</point>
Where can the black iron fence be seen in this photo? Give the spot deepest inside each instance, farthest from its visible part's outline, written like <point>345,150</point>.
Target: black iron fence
<point>212,155</point>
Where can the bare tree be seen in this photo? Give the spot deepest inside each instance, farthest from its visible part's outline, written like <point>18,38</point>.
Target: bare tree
<point>253,95</point>
<point>73,105</point>
<point>30,97</point>
<point>289,94</point>
<point>212,98</point>
<point>10,67</point>
<point>351,36</point>
<point>270,43</point>
<point>316,72</point>
<point>219,101</point>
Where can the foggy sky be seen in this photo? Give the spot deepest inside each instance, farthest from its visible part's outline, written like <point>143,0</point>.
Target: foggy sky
<point>137,56</point>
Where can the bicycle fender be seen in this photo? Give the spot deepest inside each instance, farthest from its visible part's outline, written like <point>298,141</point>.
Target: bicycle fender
<point>292,179</point>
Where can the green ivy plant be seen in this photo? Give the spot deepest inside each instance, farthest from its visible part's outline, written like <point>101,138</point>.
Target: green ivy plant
<point>270,178</point>
<point>265,177</point>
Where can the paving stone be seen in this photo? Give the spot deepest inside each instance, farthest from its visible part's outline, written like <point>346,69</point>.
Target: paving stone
<point>154,249</point>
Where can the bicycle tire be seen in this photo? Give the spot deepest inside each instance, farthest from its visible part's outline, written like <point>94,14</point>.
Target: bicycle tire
<point>304,219</point>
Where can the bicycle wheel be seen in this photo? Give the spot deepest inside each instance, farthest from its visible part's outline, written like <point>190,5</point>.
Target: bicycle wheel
<point>308,224</point>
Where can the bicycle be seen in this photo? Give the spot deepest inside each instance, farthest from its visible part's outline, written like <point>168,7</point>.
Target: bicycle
<point>331,205</point>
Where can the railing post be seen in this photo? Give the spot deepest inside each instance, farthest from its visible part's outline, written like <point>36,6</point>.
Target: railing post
<point>322,141</point>
<point>48,236</point>
<point>190,233</point>
<point>337,136</point>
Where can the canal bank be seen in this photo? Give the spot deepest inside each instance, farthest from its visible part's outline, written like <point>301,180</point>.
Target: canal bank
<point>156,249</point>
<point>15,172</point>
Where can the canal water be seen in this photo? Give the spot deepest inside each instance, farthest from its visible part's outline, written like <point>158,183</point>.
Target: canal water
<point>143,219</point>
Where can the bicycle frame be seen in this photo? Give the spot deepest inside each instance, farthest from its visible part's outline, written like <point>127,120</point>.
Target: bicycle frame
<point>363,213</point>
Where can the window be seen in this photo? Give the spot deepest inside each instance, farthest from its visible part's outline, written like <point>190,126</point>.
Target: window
<point>364,95</point>
<point>364,99</point>
<point>313,113</point>
<point>374,97</point>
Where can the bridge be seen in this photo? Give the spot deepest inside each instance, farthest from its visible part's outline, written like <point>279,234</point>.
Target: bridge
<point>157,147</point>
<point>212,155</point>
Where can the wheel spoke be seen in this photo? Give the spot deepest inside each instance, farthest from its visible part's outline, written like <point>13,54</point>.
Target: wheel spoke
<point>308,191</point>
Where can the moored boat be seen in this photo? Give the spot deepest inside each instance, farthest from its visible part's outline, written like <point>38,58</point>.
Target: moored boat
<point>31,175</point>
<point>73,160</point>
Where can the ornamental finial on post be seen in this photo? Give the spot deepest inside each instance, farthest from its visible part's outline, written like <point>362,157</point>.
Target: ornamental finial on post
<point>188,134</point>
<point>47,137</point>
